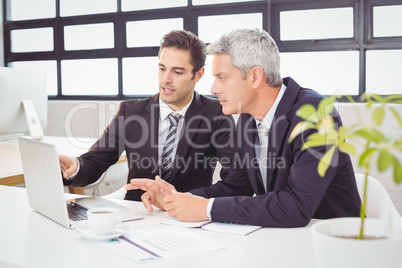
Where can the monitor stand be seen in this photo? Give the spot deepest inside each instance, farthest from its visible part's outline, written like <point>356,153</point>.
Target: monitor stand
<point>35,128</point>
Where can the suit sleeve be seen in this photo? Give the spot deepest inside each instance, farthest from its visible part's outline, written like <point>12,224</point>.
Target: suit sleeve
<point>103,153</point>
<point>293,206</point>
<point>224,141</point>
<point>235,184</point>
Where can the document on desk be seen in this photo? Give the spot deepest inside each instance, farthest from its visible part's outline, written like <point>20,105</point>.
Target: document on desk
<point>230,228</point>
<point>159,243</point>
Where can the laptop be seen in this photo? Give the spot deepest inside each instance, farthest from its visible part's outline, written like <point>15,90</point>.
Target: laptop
<point>45,189</point>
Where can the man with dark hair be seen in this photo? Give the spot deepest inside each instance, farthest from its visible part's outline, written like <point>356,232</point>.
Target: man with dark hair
<point>177,134</point>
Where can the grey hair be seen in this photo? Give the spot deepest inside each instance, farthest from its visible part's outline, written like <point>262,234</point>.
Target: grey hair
<point>249,48</point>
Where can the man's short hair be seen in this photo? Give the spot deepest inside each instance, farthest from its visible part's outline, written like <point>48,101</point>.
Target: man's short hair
<point>249,48</point>
<point>187,41</point>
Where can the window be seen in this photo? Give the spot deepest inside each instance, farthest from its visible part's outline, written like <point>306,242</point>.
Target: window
<point>149,32</point>
<point>316,24</point>
<point>107,49</point>
<point>211,27</point>
<point>83,7</point>
<point>328,72</point>
<point>387,21</point>
<point>89,36</point>
<point>339,47</point>
<point>28,9</point>
<point>40,39</point>
<point>89,77</point>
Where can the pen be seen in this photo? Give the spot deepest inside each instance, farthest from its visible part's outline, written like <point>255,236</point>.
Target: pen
<point>139,246</point>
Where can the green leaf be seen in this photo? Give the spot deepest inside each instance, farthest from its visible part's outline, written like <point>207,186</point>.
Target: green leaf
<point>397,116</point>
<point>365,157</point>
<point>314,143</point>
<point>347,148</point>
<point>395,98</point>
<point>325,161</point>
<point>365,134</point>
<point>299,128</point>
<point>378,136</point>
<point>315,140</point>
<point>307,112</point>
<point>376,98</point>
<point>397,171</point>
<point>326,106</point>
<point>378,115</point>
<point>350,99</point>
<point>384,160</point>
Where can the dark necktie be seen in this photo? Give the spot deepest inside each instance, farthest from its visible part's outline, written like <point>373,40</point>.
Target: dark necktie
<point>167,155</point>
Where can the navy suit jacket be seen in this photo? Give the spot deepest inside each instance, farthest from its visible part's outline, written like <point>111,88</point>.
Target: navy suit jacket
<point>296,192</point>
<point>208,137</point>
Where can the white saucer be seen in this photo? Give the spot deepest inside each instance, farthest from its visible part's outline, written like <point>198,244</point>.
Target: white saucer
<point>89,234</point>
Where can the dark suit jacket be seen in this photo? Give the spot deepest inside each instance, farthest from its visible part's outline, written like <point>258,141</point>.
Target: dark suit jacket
<point>208,137</point>
<point>296,192</point>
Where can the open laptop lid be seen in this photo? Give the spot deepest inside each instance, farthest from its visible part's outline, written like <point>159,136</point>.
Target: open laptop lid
<point>41,167</point>
<point>40,162</point>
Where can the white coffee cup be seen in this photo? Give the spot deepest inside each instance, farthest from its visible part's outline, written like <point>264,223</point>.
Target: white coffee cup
<point>103,220</point>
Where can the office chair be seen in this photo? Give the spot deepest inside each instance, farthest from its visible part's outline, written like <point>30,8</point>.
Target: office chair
<point>379,204</point>
<point>115,173</point>
<point>119,194</point>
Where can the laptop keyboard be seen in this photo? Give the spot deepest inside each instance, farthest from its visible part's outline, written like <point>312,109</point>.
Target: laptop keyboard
<point>76,212</point>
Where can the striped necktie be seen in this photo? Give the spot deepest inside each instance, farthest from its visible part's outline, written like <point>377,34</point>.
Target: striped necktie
<point>167,154</point>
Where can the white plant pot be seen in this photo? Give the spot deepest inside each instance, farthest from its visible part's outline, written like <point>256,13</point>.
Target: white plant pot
<point>331,251</point>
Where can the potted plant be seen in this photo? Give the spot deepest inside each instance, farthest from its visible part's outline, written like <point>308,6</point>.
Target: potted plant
<point>355,242</point>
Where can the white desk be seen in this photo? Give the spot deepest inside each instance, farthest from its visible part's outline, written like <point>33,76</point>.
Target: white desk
<point>11,172</point>
<point>29,239</point>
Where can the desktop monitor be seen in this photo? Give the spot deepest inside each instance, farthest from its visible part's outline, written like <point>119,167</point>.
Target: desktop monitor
<point>17,85</point>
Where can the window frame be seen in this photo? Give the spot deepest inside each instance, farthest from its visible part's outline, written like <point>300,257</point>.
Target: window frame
<point>361,41</point>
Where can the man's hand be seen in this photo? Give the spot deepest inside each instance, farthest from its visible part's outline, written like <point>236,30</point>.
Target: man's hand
<point>186,207</point>
<point>68,165</point>
<point>155,191</point>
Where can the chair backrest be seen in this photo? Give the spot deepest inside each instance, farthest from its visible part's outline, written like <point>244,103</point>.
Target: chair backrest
<point>379,204</point>
<point>115,173</point>
<point>119,194</point>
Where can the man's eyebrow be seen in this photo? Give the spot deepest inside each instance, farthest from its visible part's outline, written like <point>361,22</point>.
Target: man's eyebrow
<point>179,68</point>
<point>218,74</point>
<point>174,67</point>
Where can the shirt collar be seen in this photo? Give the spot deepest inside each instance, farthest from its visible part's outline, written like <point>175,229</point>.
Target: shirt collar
<point>267,121</point>
<point>165,110</point>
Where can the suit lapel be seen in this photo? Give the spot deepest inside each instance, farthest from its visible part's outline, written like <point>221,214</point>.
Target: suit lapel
<point>279,129</point>
<point>151,115</point>
<point>250,134</point>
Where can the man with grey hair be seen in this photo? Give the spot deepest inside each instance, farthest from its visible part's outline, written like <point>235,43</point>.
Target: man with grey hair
<point>271,183</point>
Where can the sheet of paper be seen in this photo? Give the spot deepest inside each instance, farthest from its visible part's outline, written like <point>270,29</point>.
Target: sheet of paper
<point>230,228</point>
<point>158,243</point>
<point>175,222</point>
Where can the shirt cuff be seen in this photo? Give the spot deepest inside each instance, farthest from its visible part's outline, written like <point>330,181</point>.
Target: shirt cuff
<point>70,178</point>
<point>209,207</point>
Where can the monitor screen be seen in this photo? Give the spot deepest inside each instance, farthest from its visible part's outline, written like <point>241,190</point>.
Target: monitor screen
<point>17,85</point>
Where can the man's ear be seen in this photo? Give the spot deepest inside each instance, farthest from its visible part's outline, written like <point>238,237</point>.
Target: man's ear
<point>198,75</point>
<point>256,76</point>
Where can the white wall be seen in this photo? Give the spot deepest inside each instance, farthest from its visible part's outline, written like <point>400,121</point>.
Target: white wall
<point>349,115</point>
<point>88,119</point>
